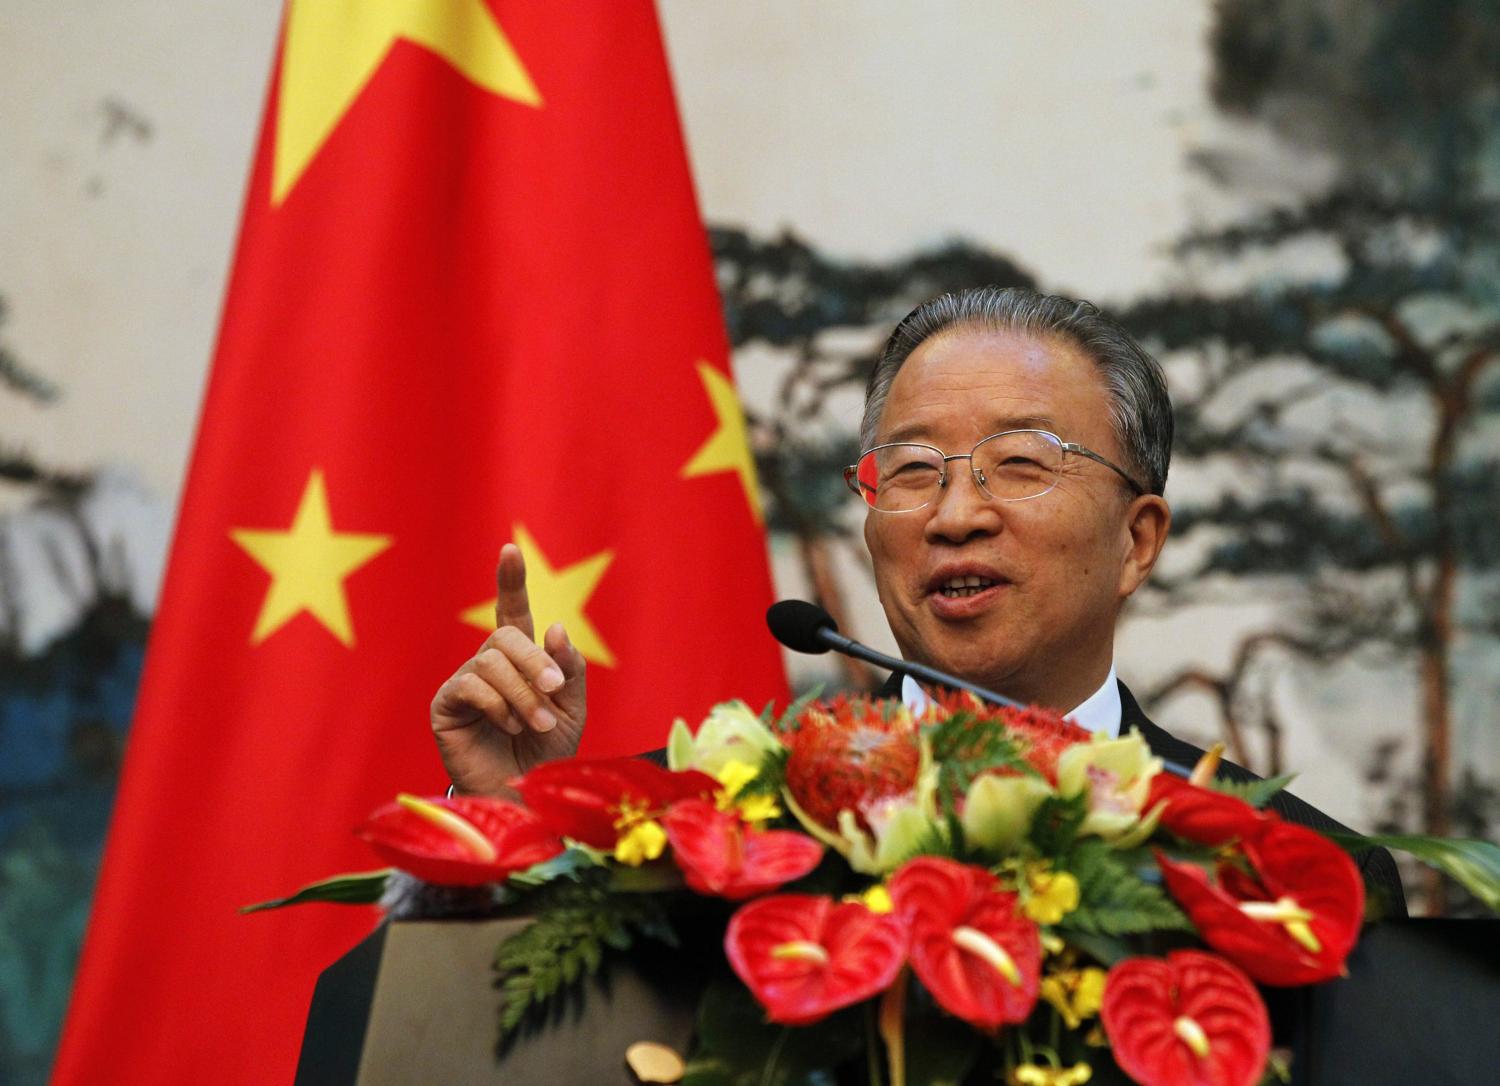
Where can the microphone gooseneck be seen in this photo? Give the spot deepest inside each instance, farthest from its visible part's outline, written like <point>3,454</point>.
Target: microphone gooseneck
<point>806,627</point>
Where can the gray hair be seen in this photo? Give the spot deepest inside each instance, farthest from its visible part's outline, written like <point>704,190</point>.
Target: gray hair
<point>1140,410</point>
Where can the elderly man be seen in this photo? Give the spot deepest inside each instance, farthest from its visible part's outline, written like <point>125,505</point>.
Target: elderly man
<point>1015,453</point>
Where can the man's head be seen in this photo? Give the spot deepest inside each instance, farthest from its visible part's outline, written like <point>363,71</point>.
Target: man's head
<point>1053,569</point>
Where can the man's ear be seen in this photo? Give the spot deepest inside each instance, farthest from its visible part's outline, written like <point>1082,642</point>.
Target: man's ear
<point>1147,521</point>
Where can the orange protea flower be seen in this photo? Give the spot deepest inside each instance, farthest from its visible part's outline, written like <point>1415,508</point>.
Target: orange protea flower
<point>850,753</point>
<point>1041,734</point>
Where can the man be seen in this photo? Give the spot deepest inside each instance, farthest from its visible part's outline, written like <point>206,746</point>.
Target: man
<point>1016,448</point>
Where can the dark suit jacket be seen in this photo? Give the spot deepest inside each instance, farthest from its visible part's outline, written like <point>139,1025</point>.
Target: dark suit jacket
<point>1376,864</point>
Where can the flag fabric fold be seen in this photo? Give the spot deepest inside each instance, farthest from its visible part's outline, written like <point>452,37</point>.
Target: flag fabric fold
<point>472,302</point>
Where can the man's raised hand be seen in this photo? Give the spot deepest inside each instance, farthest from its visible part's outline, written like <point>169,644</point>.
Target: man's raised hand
<point>514,703</point>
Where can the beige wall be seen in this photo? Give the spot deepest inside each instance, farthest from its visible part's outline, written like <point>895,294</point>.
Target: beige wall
<point>1058,133</point>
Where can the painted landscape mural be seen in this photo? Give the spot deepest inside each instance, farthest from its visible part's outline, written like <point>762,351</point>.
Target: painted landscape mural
<point>1331,595</point>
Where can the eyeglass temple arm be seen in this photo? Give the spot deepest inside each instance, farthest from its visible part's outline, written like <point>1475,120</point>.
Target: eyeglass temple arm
<point>1068,446</point>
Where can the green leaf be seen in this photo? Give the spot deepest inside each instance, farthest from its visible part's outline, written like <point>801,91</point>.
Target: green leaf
<point>940,1051</point>
<point>1104,949</point>
<point>570,863</point>
<point>963,749</point>
<point>363,888</point>
<point>770,775</point>
<point>1475,865</point>
<point>1113,899</point>
<point>794,710</point>
<point>564,945</point>
<point>738,1047</point>
<point>1255,793</point>
<point>1055,825</point>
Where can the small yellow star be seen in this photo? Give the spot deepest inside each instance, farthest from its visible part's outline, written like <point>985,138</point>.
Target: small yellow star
<point>308,564</point>
<point>728,447</point>
<point>334,47</point>
<point>557,595</point>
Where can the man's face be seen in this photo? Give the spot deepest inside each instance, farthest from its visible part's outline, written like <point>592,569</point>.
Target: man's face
<point>1054,568</point>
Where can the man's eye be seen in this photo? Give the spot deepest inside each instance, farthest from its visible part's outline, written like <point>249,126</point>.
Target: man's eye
<point>912,469</point>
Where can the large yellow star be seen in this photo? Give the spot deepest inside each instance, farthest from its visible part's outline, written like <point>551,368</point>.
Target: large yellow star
<point>333,47</point>
<point>557,595</point>
<point>728,447</point>
<point>308,564</point>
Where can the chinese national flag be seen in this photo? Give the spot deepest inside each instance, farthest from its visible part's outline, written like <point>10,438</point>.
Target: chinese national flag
<point>472,303</point>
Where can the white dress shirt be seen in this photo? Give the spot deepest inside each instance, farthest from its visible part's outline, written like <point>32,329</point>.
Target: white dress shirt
<point>1099,713</point>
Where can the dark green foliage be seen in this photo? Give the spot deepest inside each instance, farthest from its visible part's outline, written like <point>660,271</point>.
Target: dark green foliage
<point>963,748</point>
<point>1475,865</point>
<point>736,1046</point>
<point>1114,899</point>
<point>1255,793</point>
<point>363,888</point>
<point>1055,825</point>
<point>576,924</point>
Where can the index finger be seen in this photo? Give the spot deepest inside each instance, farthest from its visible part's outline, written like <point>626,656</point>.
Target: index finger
<point>512,605</point>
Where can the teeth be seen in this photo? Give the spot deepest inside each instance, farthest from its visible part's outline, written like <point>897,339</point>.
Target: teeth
<point>967,585</point>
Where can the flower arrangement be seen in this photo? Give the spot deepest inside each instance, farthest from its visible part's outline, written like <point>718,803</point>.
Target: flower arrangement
<point>975,892</point>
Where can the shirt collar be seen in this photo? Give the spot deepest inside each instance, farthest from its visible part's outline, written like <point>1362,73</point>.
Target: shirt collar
<point>1099,712</point>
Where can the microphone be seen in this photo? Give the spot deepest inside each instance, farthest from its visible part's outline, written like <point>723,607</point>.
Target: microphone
<point>806,627</point>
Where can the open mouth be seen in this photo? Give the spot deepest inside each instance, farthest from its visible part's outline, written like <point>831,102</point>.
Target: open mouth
<point>959,587</point>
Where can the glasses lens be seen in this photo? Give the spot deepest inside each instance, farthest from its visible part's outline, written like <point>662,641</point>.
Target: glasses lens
<point>1018,465</point>
<point>896,478</point>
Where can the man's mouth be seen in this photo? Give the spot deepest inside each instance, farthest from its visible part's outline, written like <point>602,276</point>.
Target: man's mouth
<point>955,588</point>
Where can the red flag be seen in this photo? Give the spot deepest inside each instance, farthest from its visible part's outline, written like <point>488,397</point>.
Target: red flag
<point>472,302</point>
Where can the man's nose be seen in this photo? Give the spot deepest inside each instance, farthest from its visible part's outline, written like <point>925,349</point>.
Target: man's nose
<point>961,508</point>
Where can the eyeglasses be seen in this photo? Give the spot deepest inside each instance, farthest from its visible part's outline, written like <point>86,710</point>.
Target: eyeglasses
<point>1009,467</point>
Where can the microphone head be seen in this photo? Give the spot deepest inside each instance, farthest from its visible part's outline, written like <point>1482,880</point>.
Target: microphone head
<point>795,623</point>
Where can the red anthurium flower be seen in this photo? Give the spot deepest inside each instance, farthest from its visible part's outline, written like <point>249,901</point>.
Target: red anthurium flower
<point>588,800</point>
<point>721,856</point>
<point>1191,1019</point>
<point>1294,922</point>
<point>1201,814</point>
<point>461,841</point>
<point>804,957</point>
<point>971,945</point>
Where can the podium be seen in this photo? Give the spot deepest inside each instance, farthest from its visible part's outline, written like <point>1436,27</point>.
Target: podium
<point>416,1001</point>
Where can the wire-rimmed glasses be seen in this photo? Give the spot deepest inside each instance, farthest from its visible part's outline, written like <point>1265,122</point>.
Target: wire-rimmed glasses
<point>1011,466</point>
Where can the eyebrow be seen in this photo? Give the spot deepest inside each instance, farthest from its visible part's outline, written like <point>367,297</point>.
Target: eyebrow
<point>913,431</point>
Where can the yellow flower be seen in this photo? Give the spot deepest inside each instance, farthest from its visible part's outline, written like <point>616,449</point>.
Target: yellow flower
<point>1054,894</point>
<point>1032,1074</point>
<point>758,809</point>
<point>877,899</point>
<point>1076,994</point>
<point>733,778</point>
<point>644,840</point>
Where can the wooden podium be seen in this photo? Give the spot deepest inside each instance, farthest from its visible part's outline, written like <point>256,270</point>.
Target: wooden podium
<point>417,1002</point>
